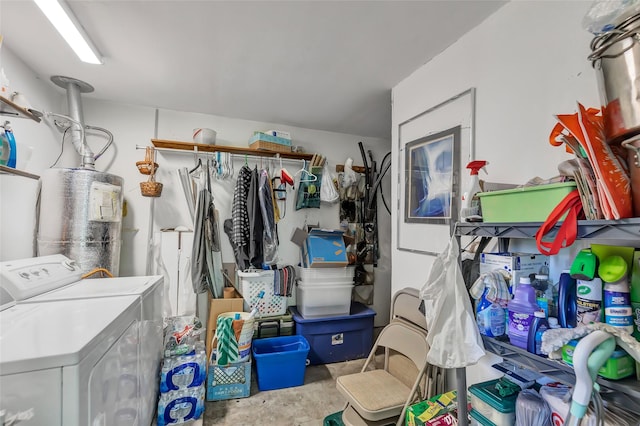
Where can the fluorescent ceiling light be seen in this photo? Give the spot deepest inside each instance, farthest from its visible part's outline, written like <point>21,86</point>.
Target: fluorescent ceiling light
<point>61,16</point>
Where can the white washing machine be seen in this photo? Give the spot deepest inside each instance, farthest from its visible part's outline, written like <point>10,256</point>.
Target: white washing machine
<point>150,290</point>
<point>73,362</point>
<point>56,279</point>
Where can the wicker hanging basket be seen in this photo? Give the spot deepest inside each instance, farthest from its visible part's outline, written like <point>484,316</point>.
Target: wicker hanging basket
<point>150,188</point>
<point>148,166</point>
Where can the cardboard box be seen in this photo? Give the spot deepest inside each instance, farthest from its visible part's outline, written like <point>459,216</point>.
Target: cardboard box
<point>278,133</point>
<point>229,381</point>
<point>517,264</point>
<point>325,248</point>
<point>217,307</point>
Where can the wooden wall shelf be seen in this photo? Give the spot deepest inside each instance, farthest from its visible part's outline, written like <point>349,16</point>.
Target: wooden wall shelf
<point>12,109</point>
<point>357,169</point>
<point>12,171</point>
<point>189,146</point>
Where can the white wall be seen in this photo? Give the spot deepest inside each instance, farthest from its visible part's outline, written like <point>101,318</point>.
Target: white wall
<point>528,61</point>
<point>37,148</point>
<point>135,125</point>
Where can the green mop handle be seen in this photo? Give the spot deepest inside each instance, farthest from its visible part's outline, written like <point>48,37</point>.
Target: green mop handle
<point>589,356</point>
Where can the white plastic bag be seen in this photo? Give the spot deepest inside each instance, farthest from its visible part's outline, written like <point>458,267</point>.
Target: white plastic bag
<point>605,15</point>
<point>349,176</point>
<point>453,338</point>
<point>328,191</point>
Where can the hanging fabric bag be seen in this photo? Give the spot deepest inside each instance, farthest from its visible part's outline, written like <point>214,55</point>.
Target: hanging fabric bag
<point>568,231</point>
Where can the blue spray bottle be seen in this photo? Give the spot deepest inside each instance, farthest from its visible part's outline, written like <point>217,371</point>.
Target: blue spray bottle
<point>490,317</point>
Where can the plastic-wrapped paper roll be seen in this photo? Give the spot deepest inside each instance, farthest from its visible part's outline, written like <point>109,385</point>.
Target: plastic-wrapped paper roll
<point>80,216</point>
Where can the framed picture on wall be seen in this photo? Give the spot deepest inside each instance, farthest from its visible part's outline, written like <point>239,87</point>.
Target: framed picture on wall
<point>432,166</point>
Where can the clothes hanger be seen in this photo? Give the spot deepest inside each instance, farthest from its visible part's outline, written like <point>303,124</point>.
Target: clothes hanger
<point>198,165</point>
<point>310,176</point>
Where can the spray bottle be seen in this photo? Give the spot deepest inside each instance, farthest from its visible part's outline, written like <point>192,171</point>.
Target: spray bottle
<point>470,211</point>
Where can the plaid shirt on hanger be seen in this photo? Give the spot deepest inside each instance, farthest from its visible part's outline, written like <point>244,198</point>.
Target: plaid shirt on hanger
<point>239,215</point>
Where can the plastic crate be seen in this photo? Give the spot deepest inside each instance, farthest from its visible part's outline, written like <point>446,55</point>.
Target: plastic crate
<point>339,338</point>
<point>281,325</point>
<point>486,400</point>
<point>326,276</point>
<point>322,301</point>
<point>229,381</point>
<point>280,361</point>
<point>530,204</point>
<point>257,291</point>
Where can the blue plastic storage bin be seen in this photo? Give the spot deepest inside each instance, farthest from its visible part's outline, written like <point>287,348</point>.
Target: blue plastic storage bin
<point>280,361</point>
<point>340,338</point>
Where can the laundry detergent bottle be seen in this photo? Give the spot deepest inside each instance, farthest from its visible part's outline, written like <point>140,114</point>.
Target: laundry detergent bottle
<point>567,300</point>
<point>538,326</point>
<point>521,309</point>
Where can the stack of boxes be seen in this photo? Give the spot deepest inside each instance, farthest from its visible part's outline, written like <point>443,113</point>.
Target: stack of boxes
<point>183,372</point>
<point>336,329</point>
<point>271,140</point>
<point>516,264</point>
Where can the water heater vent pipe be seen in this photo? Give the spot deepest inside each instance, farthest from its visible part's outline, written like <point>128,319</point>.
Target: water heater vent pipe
<point>74,88</point>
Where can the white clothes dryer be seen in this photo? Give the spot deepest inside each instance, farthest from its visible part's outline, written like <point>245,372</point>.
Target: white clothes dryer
<point>148,289</point>
<point>73,362</point>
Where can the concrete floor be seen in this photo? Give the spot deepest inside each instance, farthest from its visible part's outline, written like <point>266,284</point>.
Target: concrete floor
<point>305,405</point>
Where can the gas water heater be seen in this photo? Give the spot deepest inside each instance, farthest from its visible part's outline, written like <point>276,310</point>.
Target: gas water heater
<point>80,212</point>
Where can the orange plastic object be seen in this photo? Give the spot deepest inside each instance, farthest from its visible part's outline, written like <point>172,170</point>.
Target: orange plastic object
<point>613,184</point>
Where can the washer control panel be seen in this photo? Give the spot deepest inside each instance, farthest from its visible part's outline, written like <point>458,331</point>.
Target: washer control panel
<point>26,278</point>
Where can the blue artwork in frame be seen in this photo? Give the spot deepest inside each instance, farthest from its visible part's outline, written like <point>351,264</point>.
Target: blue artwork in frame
<point>432,171</point>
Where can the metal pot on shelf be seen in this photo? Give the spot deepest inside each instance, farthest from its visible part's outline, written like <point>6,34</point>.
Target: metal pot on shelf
<point>616,58</point>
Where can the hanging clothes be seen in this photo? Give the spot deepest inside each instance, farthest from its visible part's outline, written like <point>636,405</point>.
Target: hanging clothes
<point>206,260</point>
<point>283,281</point>
<point>239,232</point>
<point>256,227</point>
<point>270,235</point>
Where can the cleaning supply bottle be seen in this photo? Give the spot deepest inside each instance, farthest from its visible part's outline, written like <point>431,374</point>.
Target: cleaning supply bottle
<point>521,309</point>
<point>617,300</point>
<point>13,154</point>
<point>635,294</point>
<point>490,317</point>
<point>567,304</point>
<point>538,326</point>
<point>589,301</point>
<point>544,293</point>
<point>470,211</point>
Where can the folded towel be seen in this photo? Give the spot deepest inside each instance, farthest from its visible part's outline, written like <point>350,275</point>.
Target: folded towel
<point>227,348</point>
<point>496,282</point>
<point>554,339</point>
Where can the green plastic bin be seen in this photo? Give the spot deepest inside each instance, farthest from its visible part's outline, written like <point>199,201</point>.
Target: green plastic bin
<point>530,204</point>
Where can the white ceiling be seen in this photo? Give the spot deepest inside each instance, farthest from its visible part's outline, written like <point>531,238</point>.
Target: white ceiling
<point>326,65</point>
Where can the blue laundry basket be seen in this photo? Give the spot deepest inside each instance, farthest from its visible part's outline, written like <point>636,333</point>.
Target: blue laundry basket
<point>280,361</point>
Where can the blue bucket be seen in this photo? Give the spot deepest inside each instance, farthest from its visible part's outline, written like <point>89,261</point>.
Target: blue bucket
<point>280,361</point>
